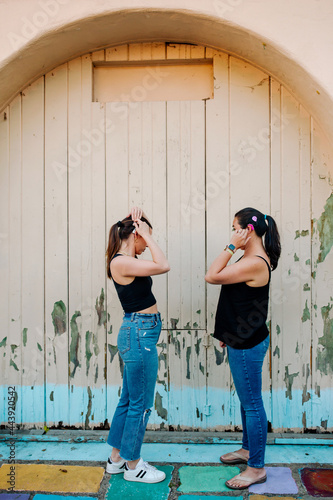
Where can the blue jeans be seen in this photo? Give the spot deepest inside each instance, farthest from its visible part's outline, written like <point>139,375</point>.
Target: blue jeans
<point>246,369</point>
<point>137,339</point>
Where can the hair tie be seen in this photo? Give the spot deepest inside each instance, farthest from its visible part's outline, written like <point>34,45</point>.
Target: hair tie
<point>265,216</point>
<point>254,218</point>
<point>120,224</point>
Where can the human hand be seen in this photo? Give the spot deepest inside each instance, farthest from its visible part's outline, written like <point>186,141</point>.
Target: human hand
<point>141,228</point>
<point>222,344</point>
<point>240,238</point>
<point>136,213</point>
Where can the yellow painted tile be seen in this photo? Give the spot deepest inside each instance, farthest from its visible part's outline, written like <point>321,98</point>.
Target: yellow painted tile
<point>55,478</point>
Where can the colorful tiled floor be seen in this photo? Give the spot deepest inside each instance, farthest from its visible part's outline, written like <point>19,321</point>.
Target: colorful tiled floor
<point>121,490</point>
<point>318,482</point>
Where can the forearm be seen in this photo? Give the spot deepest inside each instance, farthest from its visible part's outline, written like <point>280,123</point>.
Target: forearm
<point>157,254</point>
<point>216,267</point>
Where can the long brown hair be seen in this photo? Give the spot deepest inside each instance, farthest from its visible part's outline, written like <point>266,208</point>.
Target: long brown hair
<point>119,232</point>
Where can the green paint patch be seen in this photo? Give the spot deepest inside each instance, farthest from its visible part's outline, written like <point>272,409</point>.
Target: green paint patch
<point>59,317</point>
<point>75,340</point>
<point>99,306</point>
<point>88,350</point>
<point>277,352</point>
<point>325,355</point>
<point>120,489</point>
<point>296,259</point>
<point>306,313</point>
<point>39,347</point>
<point>3,342</point>
<point>301,233</point>
<point>289,379</point>
<point>161,412</point>
<point>308,262</point>
<point>278,330</point>
<point>205,479</point>
<point>13,347</point>
<point>24,336</point>
<point>14,365</point>
<point>113,349</point>
<point>199,311</point>
<point>188,359</point>
<point>219,356</point>
<point>306,287</point>
<point>325,230</point>
<point>52,396</point>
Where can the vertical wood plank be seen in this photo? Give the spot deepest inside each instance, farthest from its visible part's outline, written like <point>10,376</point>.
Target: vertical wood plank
<point>322,282</point>
<point>117,206</point>
<point>218,216</point>
<point>119,53</point>
<point>14,341</point>
<point>56,247</point>
<point>33,341</point>
<point>4,260</point>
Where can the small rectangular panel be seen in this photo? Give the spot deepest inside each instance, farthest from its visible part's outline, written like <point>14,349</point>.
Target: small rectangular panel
<point>190,80</point>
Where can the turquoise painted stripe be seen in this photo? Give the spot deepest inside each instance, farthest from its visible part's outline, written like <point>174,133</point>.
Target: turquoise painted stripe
<point>78,406</point>
<point>163,452</point>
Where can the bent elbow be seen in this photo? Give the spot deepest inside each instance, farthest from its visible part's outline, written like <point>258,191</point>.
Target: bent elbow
<point>208,278</point>
<point>166,268</point>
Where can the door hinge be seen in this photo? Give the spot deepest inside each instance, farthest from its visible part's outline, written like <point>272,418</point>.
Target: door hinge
<point>207,340</point>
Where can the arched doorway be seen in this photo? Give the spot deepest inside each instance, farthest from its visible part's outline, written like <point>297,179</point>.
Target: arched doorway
<point>72,166</point>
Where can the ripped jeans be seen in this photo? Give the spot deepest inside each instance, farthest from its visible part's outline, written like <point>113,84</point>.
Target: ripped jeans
<point>137,339</point>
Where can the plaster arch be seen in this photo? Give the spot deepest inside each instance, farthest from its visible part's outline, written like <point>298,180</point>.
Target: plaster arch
<point>70,38</point>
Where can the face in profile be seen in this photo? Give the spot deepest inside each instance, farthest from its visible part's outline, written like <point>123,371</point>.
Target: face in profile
<point>235,227</point>
<point>140,243</point>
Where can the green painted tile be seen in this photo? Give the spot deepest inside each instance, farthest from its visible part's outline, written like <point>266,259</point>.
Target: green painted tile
<point>120,489</point>
<point>206,478</point>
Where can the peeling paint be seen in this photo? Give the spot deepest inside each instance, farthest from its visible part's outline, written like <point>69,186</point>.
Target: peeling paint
<point>99,306</point>
<point>324,361</point>
<point>13,347</point>
<point>277,352</point>
<point>306,395</point>
<point>304,419</point>
<point>75,340</point>
<point>289,379</point>
<point>188,358</point>
<point>39,347</point>
<point>14,365</point>
<point>306,313</point>
<point>219,356</point>
<point>301,233</point>
<point>317,390</point>
<point>197,345</point>
<point>113,349</point>
<point>161,412</point>
<point>174,322</point>
<point>88,350</point>
<point>278,330</point>
<point>89,408</point>
<point>201,368</point>
<point>308,262</point>
<point>24,336</point>
<point>59,317</point>
<point>173,340</point>
<point>306,287</point>
<point>52,396</point>
<point>314,274</point>
<point>296,259</point>
<point>325,229</point>
<point>3,342</point>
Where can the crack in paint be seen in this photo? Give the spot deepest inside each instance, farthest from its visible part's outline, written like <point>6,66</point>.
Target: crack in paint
<point>325,230</point>
<point>59,317</point>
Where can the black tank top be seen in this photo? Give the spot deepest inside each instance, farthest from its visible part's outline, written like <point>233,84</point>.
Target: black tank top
<point>241,314</point>
<point>137,295</point>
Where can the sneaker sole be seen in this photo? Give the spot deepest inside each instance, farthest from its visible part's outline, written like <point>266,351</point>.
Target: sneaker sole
<point>119,471</point>
<point>138,480</point>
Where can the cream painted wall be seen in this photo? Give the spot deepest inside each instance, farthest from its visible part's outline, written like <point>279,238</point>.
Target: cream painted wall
<point>292,41</point>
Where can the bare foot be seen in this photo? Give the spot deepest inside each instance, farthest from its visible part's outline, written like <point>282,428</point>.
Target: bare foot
<point>250,476</point>
<point>236,457</point>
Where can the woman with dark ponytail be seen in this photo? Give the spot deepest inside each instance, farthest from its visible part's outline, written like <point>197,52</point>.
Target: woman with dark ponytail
<point>240,325</point>
<point>137,341</point>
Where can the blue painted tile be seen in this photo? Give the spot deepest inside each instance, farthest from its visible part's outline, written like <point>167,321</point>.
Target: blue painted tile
<point>279,480</point>
<point>14,496</point>
<point>201,497</point>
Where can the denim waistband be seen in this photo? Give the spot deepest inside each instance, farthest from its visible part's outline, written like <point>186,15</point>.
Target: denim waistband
<point>134,315</point>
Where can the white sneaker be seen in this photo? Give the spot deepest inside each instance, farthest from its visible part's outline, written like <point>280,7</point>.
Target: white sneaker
<point>144,473</point>
<point>115,467</point>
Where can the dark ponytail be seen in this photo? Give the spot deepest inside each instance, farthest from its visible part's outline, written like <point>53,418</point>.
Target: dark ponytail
<point>264,225</point>
<point>119,232</point>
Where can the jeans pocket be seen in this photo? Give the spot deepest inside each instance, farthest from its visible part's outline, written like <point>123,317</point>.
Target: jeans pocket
<point>124,339</point>
<point>148,324</point>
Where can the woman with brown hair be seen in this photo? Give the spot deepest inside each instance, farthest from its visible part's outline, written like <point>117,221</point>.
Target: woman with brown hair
<point>137,339</point>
